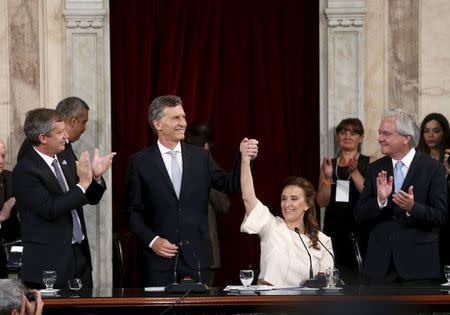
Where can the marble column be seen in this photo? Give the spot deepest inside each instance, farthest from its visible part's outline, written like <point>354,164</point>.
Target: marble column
<point>87,60</point>
<point>404,30</point>
<point>344,74</point>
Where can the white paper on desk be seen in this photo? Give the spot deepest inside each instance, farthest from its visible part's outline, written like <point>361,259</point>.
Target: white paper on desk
<point>342,190</point>
<point>287,288</point>
<point>154,289</point>
<point>262,287</point>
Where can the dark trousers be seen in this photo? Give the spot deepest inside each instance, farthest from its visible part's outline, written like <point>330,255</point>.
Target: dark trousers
<point>392,278</point>
<point>82,271</point>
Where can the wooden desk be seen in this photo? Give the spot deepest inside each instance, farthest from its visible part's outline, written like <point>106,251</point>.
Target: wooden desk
<point>136,301</point>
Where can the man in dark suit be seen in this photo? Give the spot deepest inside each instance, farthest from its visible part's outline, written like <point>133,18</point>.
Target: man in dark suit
<point>50,192</point>
<point>405,201</point>
<point>201,135</point>
<point>167,197</point>
<point>9,223</point>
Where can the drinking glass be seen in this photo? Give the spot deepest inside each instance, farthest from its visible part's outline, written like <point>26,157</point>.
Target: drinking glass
<point>447,273</point>
<point>75,285</point>
<point>246,277</point>
<point>332,276</point>
<point>49,279</point>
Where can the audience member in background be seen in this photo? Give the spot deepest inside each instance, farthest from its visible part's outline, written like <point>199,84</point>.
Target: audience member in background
<point>167,197</point>
<point>201,135</point>
<point>9,222</point>
<point>13,300</point>
<point>284,259</point>
<point>77,116</point>
<point>404,199</point>
<point>51,190</point>
<point>340,183</point>
<point>435,142</point>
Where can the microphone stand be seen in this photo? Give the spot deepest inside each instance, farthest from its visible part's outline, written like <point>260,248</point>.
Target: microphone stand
<point>311,282</point>
<point>329,252</point>
<point>187,285</point>
<point>307,251</point>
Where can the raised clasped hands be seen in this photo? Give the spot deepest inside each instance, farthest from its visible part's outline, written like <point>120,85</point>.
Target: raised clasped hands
<point>101,164</point>
<point>249,148</point>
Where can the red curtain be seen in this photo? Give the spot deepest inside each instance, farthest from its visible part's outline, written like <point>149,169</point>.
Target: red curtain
<point>247,67</point>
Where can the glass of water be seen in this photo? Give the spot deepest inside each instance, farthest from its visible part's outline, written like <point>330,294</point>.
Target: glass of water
<point>332,276</point>
<point>75,285</point>
<point>447,273</point>
<point>49,279</point>
<point>246,277</point>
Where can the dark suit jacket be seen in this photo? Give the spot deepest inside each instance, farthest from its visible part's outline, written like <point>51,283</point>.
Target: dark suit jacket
<point>411,242</point>
<point>155,209</point>
<point>45,212</point>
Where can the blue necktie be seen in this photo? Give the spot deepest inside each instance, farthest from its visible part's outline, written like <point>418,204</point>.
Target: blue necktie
<point>399,177</point>
<point>77,233</point>
<point>176,172</point>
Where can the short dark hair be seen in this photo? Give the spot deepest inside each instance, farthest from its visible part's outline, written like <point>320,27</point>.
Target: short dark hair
<point>72,106</point>
<point>351,124</point>
<point>156,108</point>
<point>443,122</point>
<point>199,133</point>
<point>40,121</point>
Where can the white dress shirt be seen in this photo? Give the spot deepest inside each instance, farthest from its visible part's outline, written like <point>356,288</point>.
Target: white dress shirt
<point>167,159</point>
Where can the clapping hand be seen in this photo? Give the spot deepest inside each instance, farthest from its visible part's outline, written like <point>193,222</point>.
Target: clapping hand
<point>446,156</point>
<point>327,168</point>
<point>101,164</point>
<point>353,163</point>
<point>84,170</point>
<point>384,186</point>
<point>404,200</point>
<point>6,210</point>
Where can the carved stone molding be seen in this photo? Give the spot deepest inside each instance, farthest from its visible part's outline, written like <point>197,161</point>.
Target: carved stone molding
<point>345,17</point>
<point>85,19</point>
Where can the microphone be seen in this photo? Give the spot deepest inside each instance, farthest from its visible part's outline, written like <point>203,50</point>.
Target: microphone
<point>175,271</point>
<point>186,285</point>
<point>306,248</point>
<point>329,252</point>
<point>311,282</point>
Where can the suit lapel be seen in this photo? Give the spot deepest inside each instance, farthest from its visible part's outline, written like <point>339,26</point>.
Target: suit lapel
<point>157,160</point>
<point>411,172</point>
<point>45,170</point>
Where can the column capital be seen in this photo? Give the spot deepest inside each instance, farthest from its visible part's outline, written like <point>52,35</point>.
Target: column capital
<point>346,13</point>
<point>84,14</point>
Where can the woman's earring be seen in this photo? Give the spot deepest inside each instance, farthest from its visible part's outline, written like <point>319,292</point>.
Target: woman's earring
<point>306,209</point>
